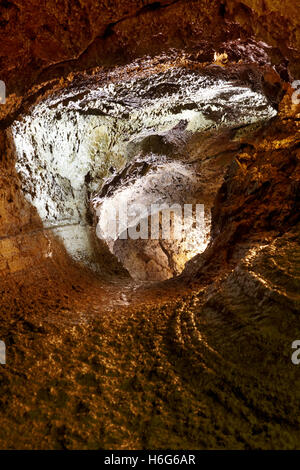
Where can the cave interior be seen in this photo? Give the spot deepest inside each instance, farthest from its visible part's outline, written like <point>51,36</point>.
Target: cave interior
<point>115,338</point>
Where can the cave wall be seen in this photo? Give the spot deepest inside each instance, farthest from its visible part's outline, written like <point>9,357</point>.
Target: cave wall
<point>259,198</point>
<point>22,243</point>
<point>274,21</point>
<point>43,44</point>
<point>43,40</point>
<point>220,355</point>
<point>71,142</point>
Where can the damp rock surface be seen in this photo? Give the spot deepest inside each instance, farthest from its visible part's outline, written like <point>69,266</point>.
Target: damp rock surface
<point>96,360</point>
<point>73,142</point>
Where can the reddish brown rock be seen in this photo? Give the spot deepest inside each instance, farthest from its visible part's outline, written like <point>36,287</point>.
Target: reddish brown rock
<point>201,361</point>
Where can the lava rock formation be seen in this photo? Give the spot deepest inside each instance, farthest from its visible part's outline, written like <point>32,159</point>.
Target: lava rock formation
<point>149,344</point>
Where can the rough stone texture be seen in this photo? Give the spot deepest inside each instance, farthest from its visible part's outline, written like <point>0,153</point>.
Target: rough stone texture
<point>22,242</point>
<point>260,194</point>
<point>56,36</point>
<point>202,361</point>
<point>72,141</point>
<point>274,21</point>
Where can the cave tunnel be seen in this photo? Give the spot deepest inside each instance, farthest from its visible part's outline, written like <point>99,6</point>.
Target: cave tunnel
<point>117,332</point>
<point>153,140</point>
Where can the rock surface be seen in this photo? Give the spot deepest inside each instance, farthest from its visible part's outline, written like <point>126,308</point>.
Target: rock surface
<point>46,41</point>
<point>200,361</point>
<point>72,141</point>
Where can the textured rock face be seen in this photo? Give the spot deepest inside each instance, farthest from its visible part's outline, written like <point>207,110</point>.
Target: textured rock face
<point>151,238</point>
<point>276,22</point>
<point>102,362</point>
<point>267,168</point>
<point>71,143</point>
<point>53,38</point>
<point>18,251</point>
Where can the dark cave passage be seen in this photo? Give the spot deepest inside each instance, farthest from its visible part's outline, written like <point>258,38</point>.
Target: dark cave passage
<point>86,151</point>
<point>149,224</point>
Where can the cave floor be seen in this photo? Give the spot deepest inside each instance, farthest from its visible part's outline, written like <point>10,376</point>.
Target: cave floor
<point>91,365</point>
